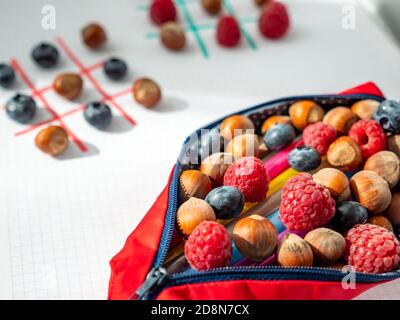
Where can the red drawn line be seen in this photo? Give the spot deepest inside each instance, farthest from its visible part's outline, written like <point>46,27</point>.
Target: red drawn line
<point>87,73</point>
<point>47,106</point>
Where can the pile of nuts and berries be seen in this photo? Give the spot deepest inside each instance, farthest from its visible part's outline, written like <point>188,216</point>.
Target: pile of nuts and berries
<point>340,207</point>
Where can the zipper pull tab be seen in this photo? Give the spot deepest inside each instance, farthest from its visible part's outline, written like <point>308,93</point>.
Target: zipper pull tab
<point>155,278</point>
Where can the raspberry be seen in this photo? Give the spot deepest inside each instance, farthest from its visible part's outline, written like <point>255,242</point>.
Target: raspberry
<point>228,31</point>
<point>372,249</point>
<point>369,135</point>
<point>319,136</point>
<point>305,204</point>
<point>274,20</point>
<point>162,11</point>
<point>208,246</point>
<point>248,174</point>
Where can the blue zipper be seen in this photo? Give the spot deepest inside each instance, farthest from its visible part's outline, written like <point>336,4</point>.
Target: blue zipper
<point>158,277</point>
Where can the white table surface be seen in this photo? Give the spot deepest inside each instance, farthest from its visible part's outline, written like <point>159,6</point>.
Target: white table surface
<point>61,221</point>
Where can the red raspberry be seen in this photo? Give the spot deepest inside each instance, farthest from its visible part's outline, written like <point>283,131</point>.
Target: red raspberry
<point>372,249</point>
<point>369,135</point>
<point>248,174</point>
<point>208,246</point>
<point>319,136</point>
<point>162,11</point>
<point>228,31</point>
<point>274,20</point>
<point>305,204</point>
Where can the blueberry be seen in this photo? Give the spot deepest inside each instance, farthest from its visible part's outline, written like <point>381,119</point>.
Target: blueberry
<point>7,75</point>
<point>21,108</point>
<point>98,114</point>
<point>348,214</point>
<point>388,116</point>
<point>304,159</point>
<point>227,202</point>
<point>396,231</point>
<point>115,68</point>
<point>45,54</point>
<point>279,136</point>
<point>210,142</point>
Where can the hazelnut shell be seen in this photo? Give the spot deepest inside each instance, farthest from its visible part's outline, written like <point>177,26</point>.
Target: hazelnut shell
<point>394,144</point>
<point>215,166</point>
<point>52,140</point>
<point>244,145</point>
<point>365,109</point>
<point>381,221</point>
<point>146,92</point>
<point>274,120</point>
<point>305,112</point>
<point>344,154</point>
<point>68,85</point>
<point>234,126</point>
<point>387,165</point>
<point>335,181</point>
<point>341,119</point>
<point>393,212</point>
<point>193,183</point>
<point>293,251</point>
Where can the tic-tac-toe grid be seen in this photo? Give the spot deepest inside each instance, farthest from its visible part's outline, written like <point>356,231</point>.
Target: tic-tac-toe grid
<point>197,26</point>
<point>87,73</point>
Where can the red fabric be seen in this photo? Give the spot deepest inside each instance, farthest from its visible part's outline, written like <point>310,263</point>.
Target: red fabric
<point>131,265</point>
<point>263,290</point>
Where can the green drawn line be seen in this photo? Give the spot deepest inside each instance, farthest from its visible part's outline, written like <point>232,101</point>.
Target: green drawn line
<point>229,8</point>
<point>182,5</point>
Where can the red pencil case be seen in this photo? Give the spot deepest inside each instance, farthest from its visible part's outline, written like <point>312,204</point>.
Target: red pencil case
<point>137,270</point>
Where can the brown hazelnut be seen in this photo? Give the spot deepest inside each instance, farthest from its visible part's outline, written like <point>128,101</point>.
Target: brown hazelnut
<point>94,36</point>
<point>215,166</point>
<point>393,212</point>
<point>344,154</point>
<point>193,183</point>
<point>261,3</point>
<point>243,145</point>
<point>305,112</point>
<point>381,221</point>
<point>387,165</point>
<point>172,36</point>
<point>394,144</point>
<point>365,109</point>
<point>293,251</point>
<point>235,125</point>
<point>211,6</point>
<point>273,120</point>
<point>371,191</point>
<point>341,119</point>
<point>68,85</point>
<point>335,181</point>
<point>146,92</point>
<point>52,140</point>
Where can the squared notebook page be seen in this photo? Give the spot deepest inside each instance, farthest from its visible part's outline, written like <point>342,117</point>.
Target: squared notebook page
<point>61,220</point>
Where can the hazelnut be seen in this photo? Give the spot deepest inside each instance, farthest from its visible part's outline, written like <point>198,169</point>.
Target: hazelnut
<point>93,35</point>
<point>305,112</point>
<point>172,36</point>
<point>261,3</point>
<point>341,119</point>
<point>387,165</point>
<point>344,153</point>
<point>273,120</point>
<point>393,212</point>
<point>235,125</point>
<point>215,166</point>
<point>191,213</point>
<point>52,140</point>
<point>394,144</point>
<point>335,181</point>
<point>244,145</point>
<point>381,221</point>
<point>293,251</point>
<point>365,109</point>
<point>68,85</point>
<point>371,191</point>
<point>193,183</point>
<point>212,6</point>
<point>146,92</point>
<point>255,237</point>
<point>327,245</point>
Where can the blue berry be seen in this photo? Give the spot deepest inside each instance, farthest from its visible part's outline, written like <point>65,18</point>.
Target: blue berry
<point>45,54</point>
<point>115,68</point>
<point>7,75</point>
<point>98,114</point>
<point>210,142</point>
<point>279,136</point>
<point>348,214</point>
<point>227,202</point>
<point>388,116</point>
<point>304,159</point>
<point>21,108</point>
